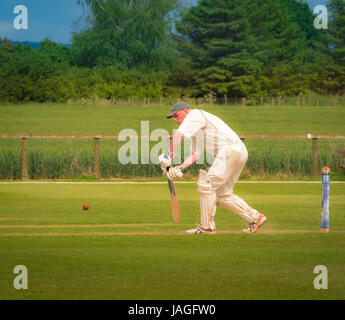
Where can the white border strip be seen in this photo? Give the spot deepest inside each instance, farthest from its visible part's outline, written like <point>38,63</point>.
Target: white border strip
<point>162,182</point>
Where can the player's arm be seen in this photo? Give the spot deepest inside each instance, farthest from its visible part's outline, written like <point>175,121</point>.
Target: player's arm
<point>192,158</point>
<point>176,172</point>
<point>175,142</point>
<point>166,160</point>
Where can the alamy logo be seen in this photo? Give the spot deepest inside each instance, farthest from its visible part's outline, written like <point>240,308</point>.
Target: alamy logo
<point>21,20</point>
<point>321,20</point>
<point>321,281</point>
<point>20,281</point>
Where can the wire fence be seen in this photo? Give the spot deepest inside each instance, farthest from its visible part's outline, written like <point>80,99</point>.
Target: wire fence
<point>64,157</point>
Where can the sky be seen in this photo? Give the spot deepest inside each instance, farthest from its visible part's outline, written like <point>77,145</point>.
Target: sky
<point>52,19</point>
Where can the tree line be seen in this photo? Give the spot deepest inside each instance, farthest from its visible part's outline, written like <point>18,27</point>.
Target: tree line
<point>155,48</point>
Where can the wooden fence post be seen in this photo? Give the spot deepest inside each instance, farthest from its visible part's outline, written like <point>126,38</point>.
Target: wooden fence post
<point>315,151</point>
<point>334,100</point>
<point>210,99</point>
<point>25,175</point>
<point>97,164</point>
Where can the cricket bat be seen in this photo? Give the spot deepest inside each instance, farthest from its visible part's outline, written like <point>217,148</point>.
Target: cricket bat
<point>174,202</point>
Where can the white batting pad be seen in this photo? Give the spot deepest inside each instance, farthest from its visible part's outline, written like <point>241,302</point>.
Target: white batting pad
<point>207,201</point>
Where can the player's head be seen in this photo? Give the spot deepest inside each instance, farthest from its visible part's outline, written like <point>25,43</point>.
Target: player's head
<point>179,111</point>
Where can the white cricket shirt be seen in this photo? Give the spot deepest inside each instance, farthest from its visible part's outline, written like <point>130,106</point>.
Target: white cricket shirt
<point>208,132</point>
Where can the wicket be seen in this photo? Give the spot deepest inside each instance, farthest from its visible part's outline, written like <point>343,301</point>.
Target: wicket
<point>325,200</point>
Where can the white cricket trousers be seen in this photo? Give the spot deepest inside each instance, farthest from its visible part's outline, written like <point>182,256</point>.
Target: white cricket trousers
<point>223,175</point>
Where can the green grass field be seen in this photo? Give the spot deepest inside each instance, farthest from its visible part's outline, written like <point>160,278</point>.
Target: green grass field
<point>88,119</point>
<point>127,246</point>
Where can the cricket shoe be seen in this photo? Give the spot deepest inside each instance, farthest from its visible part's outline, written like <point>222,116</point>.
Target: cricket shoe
<point>201,230</point>
<point>255,226</point>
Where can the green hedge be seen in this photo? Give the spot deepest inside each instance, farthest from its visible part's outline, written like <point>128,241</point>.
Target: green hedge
<point>66,158</point>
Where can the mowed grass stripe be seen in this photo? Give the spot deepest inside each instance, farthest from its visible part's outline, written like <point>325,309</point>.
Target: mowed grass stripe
<point>159,233</point>
<point>287,206</point>
<point>59,119</point>
<point>89,226</point>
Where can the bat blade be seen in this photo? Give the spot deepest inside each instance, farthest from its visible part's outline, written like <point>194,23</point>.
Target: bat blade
<point>174,202</point>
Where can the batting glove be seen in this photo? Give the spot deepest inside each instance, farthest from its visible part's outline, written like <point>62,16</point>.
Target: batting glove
<point>165,162</point>
<point>174,174</point>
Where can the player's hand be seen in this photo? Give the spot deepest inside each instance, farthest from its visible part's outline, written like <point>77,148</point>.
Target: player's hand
<point>174,174</point>
<point>165,161</point>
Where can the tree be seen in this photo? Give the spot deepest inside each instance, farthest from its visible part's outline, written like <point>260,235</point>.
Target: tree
<point>331,74</point>
<point>57,53</point>
<point>236,46</point>
<point>215,35</point>
<point>6,50</point>
<point>126,32</point>
<point>337,30</point>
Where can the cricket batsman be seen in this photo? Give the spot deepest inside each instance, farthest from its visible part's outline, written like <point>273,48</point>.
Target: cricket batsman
<point>215,187</point>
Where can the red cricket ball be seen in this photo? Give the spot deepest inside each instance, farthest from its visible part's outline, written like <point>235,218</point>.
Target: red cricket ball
<point>86,206</point>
